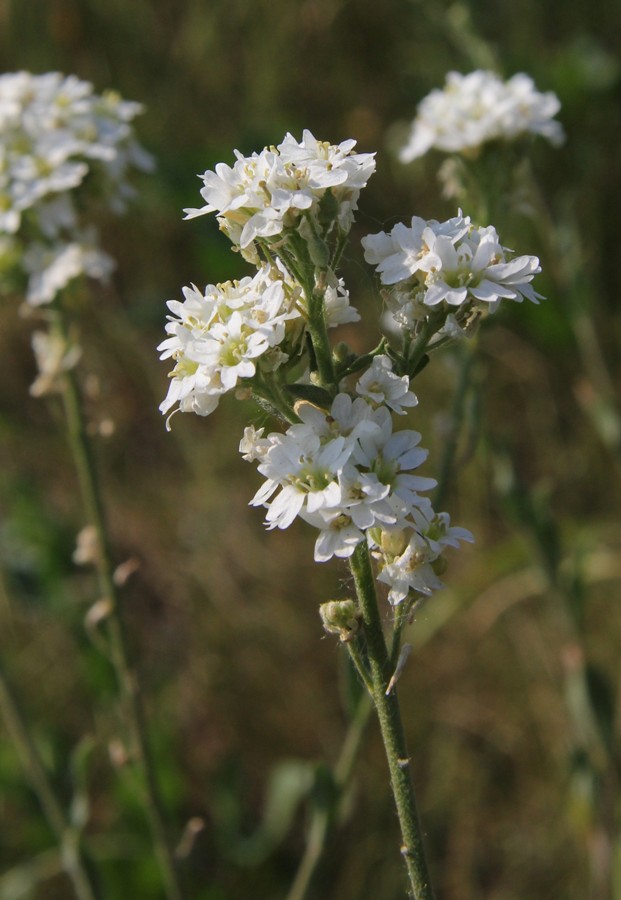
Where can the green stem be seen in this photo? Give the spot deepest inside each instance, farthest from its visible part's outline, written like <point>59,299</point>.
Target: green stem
<point>74,859</point>
<point>339,247</point>
<point>387,707</point>
<point>457,417</point>
<point>362,361</point>
<point>416,353</point>
<point>126,676</point>
<point>319,336</point>
<point>274,397</point>
<point>323,817</point>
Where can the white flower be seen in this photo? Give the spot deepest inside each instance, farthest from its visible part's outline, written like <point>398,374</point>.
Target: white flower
<point>306,471</point>
<point>410,571</point>
<point>262,195</point>
<point>52,268</point>
<point>253,446</point>
<point>400,254</point>
<point>54,132</point>
<point>409,556</point>
<point>473,109</point>
<point>391,457</point>
<point>54,356</point>
<point>343,472</point>
<point>381,386</point>
<point>337,306</point>
<point>452,262</point>
<point>217,337</point>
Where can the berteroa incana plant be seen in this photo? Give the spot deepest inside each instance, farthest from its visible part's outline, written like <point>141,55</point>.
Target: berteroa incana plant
<point>66,153</point>
<point>336,459</point>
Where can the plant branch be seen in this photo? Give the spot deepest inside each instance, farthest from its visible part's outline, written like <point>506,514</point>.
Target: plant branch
<point>387,707</point>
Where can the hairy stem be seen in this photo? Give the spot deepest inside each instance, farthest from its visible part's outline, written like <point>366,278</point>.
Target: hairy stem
<point>387,707</point>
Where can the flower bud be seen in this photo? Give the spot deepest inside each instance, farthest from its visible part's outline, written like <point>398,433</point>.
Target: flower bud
<point>393,543</point>
<point>340,617</point>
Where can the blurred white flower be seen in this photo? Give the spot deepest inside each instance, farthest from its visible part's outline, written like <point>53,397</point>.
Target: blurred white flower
<point>54,132</point>
<point>54,356</point>
<point>52,267</point>
<point>479,107</point>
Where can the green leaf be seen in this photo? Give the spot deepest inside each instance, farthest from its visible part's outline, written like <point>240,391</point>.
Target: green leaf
<point>311,392</point>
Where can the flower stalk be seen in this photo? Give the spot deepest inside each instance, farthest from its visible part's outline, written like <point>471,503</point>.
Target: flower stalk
<point>119,653</point>
<point>389,716</point>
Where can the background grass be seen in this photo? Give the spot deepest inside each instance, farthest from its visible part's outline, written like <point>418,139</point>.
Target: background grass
<point>222,616</point>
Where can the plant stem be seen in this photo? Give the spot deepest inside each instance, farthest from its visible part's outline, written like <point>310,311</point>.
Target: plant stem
<point>126,676</point>
<point>456,421</point>
<point>74,860</point>
<point>387,707</point>
<point>380,663</point>
<point>319,336</point>
<point>323,818</point>
<point>415,354</point>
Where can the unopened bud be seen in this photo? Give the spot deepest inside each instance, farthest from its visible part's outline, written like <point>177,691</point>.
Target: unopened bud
<point>340,617</point>
<point>193,828</point>
<point>87,551</point>
<point>393,543</point>
<point>342,352</point>
<point>117,751</point>
<point>125,570</point>
<point>99,612</point>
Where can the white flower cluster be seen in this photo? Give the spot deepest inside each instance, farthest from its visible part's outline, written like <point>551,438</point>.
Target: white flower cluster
<point>277,189</point>
<point>54,132</point>
<point>220,336</point>
<point>217,337</point>
<point>480,107</point>
<point>348,475</point>
<point>453,262</point>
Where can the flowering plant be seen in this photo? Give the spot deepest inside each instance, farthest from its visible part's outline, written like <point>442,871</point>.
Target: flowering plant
<point>473,109</point>
<point>337,461</point>
<point>59,139</point>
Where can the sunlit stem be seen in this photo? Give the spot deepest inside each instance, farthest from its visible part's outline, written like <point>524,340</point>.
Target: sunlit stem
<point>387,707</point>
<point>323,816</point>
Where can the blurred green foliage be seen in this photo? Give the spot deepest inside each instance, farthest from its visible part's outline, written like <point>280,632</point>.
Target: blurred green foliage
<point>243,694</point>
